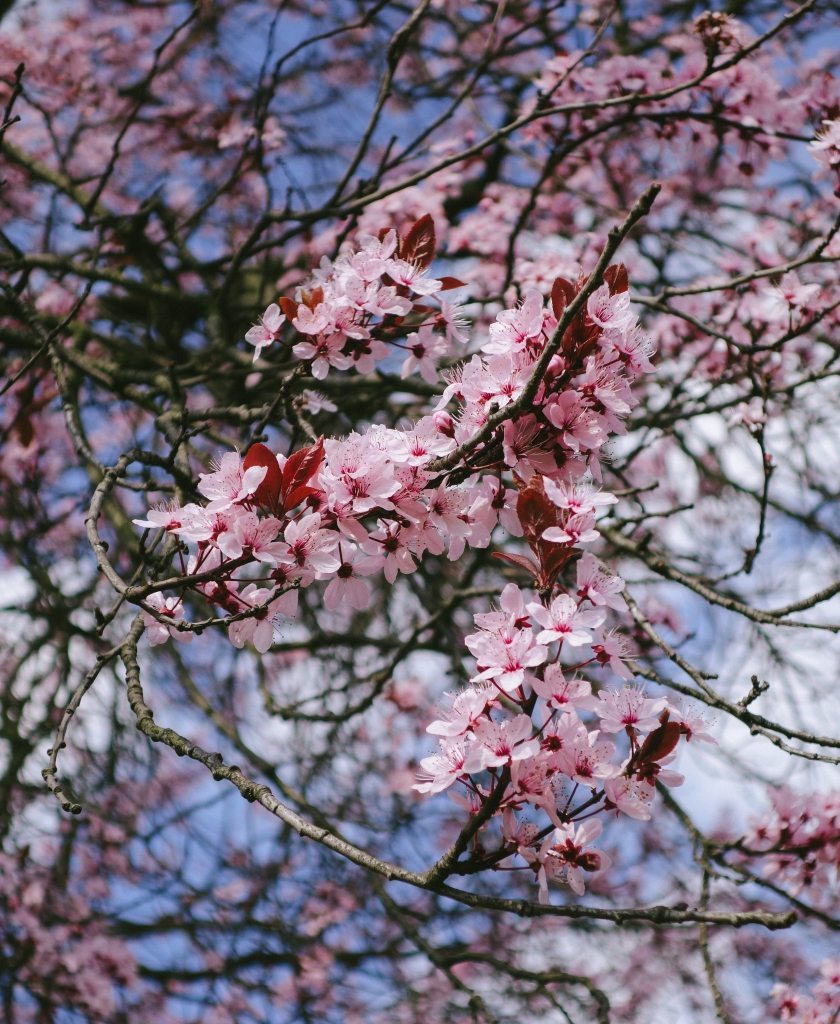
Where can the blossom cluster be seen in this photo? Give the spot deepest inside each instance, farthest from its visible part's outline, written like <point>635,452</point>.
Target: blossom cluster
<point>375,502</point>
<point>69,951</point>
<point>343,509</point>
<point>368,301</point>
<point>822,1006</point>
<point>527,723</point>
<point>798,843</point>
<point>826,149</point>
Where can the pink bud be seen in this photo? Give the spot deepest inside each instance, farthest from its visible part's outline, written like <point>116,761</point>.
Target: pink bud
<point>444,423</point>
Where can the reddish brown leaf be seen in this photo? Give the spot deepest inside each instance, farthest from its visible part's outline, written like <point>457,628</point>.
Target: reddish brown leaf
<point>616,277</point>
<point>22,423</point>
<point>289,307</point>
<point>660,743</point>
<point>267,495</point>
<point>313,298</point>
<point>300,467</point>
<point>300,494</point>
<point>24,428</point>
<point>420,244</point>
<point>562,293</point>
<point>535,511</point>
<point>449,283</point>
<point>522,561</point>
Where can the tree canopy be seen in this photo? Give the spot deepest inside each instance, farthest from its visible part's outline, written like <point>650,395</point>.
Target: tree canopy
<point>419,512</point>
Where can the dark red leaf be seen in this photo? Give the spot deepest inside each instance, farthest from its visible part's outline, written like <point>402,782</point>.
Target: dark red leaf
<point>23,424</point>
<point>289,307</point>
<point>420,244</point>
<point>562,293</point>
<point>522,561</point>
<point>267,494</point>
<point>24,428</point>
<point>535,511</point>
<point>298,495</point>
<point>616,277</point>
<point>449,283</point>
<point>313,298</point>
<point>300,467</point>
<point>660,743</point>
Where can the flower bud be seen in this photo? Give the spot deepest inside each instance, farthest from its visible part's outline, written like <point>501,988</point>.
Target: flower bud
<point>444,423</point>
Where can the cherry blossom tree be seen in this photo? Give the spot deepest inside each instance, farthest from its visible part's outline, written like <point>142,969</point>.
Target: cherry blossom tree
<point>419,512</point>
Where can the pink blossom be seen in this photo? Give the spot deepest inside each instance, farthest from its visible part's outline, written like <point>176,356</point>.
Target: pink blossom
<point>612,649</point>
<point>371,261</point>
<point>693,725</point>
<point>511,616</point>
<point>505,656</point>
<point>467,708</point>
<point>825,147</point>
<point>501,501</point>
<point>597,586</point>
<point>253,537</point>
<point>169,608</point>
<point>447,510</point>
<point>560,692</point>
<point>789,295</point>
<point>386,301</point>
<point>357,472</point>
<point>514,830</point>
<point>501,743</point>
<point>348,587</point>
<point>630,796</point>
<point>425,349</point>
<point>258,629</point>
<point>364,354</point>
<point>797,823</point>
<point>439,771</point>
<point>452,319</point>
<point>391,544</point>
<point>579,498</point>
<point>314,402</point>
<point>532,782</point>
<point>579,427</point>
<point>325,351</point>
<point>577,529</point>
<point>628,708</point>
<point>563,856</point>
<point>609,390</point>
<point>267,330</point>
<point>413,276</point>
<point>312,321</point>
<point>570,849</point>
<point>514,328</point>
<point>501,380</point>
<point>309,547</point>
<point>564,621</point>
<point>609,311</point>
<point>419,445</point>
<point>634,348</point>
<point>235,133</point>
<point>198,524</point>
<point>228,484</point>
<point>586,759</point>
<point>166,517</point>
<point>525,446</point>
<point>561,733</point>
